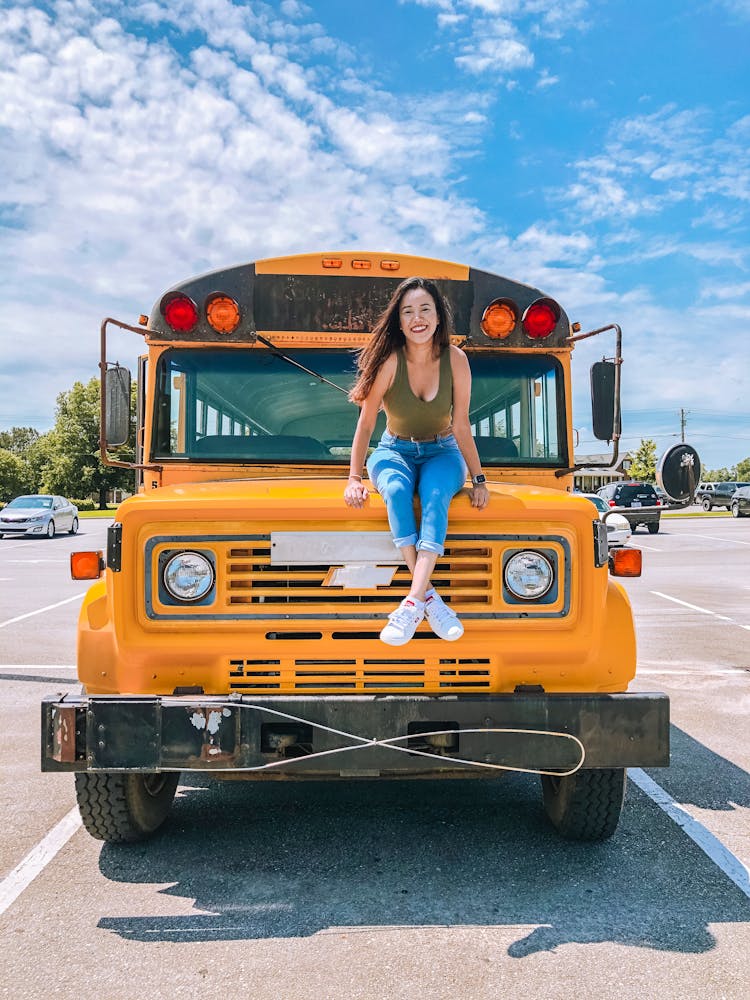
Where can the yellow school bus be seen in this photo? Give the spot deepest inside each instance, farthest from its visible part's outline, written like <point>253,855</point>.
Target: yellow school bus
<point>233,624</point>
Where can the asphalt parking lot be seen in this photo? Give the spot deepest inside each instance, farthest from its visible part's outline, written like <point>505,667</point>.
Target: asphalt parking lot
<point>369,890</point>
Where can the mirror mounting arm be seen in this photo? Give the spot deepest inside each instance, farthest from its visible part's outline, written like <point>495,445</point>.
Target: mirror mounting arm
<point>103,366</point>
<point>617,421</point>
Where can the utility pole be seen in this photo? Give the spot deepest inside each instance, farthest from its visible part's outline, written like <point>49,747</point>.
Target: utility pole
<point>683,421</point>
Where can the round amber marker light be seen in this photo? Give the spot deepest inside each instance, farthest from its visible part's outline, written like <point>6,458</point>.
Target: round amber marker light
<point>498,320</point>
<point>223,314</point>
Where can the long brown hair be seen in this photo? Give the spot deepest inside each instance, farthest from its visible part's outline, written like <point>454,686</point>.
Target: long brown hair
<point>387,335</point>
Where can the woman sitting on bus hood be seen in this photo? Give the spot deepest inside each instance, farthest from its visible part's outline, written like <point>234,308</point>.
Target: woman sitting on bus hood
<point>410,369</point>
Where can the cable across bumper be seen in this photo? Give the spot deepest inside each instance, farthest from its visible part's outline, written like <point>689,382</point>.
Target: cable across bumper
<point>355,736</point>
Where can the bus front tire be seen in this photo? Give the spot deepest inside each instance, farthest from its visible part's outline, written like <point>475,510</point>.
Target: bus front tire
<point>124,808</point>
<point>586,805</point>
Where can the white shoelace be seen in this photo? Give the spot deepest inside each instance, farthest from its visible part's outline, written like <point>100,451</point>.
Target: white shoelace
<point>440,610</point>
<point>406,615</point>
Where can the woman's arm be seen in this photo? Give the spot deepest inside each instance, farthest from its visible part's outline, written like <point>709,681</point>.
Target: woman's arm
<point>461,372</point>
<point>355,492</point>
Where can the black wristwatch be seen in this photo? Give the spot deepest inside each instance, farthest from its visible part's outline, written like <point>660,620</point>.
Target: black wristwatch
<point>479,480</point>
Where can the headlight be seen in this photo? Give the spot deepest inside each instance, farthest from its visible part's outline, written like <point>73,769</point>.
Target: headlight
<point>188,576</point>
<point>36,517</point>
<point>529,575</point>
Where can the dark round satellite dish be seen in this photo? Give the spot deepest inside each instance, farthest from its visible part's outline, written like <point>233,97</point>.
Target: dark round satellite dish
<point>679,472</point>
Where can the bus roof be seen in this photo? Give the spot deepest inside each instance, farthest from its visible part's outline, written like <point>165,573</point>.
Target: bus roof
<point>340,295</point>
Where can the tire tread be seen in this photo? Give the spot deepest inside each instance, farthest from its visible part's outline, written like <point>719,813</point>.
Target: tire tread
<point>588,804</point>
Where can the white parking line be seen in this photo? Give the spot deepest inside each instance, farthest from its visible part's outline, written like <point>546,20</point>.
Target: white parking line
<point>721,856</point>
<point>670,672</point>
<point>37,859</point>
<point>703,611</point>
<point>37,666</point>
<point>714,538</point>
<point>39,611</point>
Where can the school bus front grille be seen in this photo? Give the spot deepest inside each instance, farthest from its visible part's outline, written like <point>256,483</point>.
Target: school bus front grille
<point>463,575</point>
<point>359,674</point>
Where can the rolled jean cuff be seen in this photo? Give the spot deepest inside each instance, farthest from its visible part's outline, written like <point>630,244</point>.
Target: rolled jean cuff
<point>402,543</point>
<point>429,546</point>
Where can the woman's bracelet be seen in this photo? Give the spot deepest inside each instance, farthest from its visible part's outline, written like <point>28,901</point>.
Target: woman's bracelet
<point>358,478</point>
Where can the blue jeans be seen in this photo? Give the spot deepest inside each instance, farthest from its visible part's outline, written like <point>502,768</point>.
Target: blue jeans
<point>435,470</point>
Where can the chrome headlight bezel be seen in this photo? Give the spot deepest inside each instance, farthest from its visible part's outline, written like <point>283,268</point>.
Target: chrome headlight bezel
<point>544,563</point>
<point>202,589</point>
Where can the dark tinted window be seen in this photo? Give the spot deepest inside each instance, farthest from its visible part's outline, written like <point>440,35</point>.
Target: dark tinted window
<point>628,492</point>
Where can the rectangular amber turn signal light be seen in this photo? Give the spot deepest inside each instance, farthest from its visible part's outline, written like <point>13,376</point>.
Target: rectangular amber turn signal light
<point>625,562</point>
<point>86,565</point>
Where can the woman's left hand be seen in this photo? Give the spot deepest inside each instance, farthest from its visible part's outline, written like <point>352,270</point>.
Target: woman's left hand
<point>479,496</point>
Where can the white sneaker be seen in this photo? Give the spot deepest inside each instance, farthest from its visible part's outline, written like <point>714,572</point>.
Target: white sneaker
<point>443,621</point>
<point>402,623</point>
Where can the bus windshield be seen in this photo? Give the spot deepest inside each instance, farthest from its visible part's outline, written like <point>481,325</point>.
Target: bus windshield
<point>224,405</point>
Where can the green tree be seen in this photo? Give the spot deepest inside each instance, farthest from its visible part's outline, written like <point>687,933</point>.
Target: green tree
<point>643,465</point>
<point>18,440</point>
<point>17,471</point>
<point>722,475</point>
<point>70,462</point>
<point>743,470</point>
<point>15,475</point>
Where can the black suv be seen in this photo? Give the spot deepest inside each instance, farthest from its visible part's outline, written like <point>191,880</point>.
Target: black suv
<point>630,496</point>
<point>741,502</point>
<point>710,495</point>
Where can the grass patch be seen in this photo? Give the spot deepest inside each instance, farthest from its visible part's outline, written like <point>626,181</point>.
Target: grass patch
<point>96,513</point>
<point>696,513</point>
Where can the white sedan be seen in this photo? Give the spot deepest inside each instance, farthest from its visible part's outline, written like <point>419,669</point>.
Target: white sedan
<point>618,528</point>
<point>40,514</point>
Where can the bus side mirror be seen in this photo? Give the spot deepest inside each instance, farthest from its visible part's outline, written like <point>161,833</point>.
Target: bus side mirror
<point>117,396</point>
<point>679,472</point>
<point>603,399</point>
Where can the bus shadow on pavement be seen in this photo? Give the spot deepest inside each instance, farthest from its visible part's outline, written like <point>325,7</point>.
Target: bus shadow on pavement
<point>699,777</point>
<point>280,860</point>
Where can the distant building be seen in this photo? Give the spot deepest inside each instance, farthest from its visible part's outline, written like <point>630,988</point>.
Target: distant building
<point>598,472</point>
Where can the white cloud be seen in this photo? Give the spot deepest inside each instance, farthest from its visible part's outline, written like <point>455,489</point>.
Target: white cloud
<point>129,162</point>
<point>546,80</point>
<point>652,162</point>
<point>498,52</point>
<point>450,20</point>
<point>494,37</point>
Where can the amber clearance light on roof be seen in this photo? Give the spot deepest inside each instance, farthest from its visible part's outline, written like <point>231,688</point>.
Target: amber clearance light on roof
<point>499,319</point>
<point>222,313</point>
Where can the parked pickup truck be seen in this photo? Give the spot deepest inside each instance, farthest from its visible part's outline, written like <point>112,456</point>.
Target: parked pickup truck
<point>710,495</point>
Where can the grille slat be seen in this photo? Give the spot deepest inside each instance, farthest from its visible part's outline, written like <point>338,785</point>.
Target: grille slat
<point>362,674</point>
<point>464,574</point>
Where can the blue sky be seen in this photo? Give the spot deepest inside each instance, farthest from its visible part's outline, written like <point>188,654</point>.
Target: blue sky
<point>599,150</point>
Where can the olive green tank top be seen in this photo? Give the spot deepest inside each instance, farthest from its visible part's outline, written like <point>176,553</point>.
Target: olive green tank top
<point>412,417</point>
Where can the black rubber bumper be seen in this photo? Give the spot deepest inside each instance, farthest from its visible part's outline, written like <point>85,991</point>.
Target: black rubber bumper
<point>364,736</point>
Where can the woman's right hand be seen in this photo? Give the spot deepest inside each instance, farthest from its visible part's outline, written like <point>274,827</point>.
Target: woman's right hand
<point>355,493</point>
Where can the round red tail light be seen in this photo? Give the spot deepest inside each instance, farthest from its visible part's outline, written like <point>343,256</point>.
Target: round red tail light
<point>180,312</point>
<point>540,319</point>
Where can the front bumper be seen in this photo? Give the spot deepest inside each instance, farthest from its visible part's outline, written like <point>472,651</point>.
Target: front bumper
<point>354,736</point>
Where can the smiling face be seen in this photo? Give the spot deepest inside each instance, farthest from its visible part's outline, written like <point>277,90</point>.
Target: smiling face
<point>418,316</point>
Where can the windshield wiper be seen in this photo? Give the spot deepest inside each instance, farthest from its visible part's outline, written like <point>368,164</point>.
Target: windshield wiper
<point>290,361</point>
